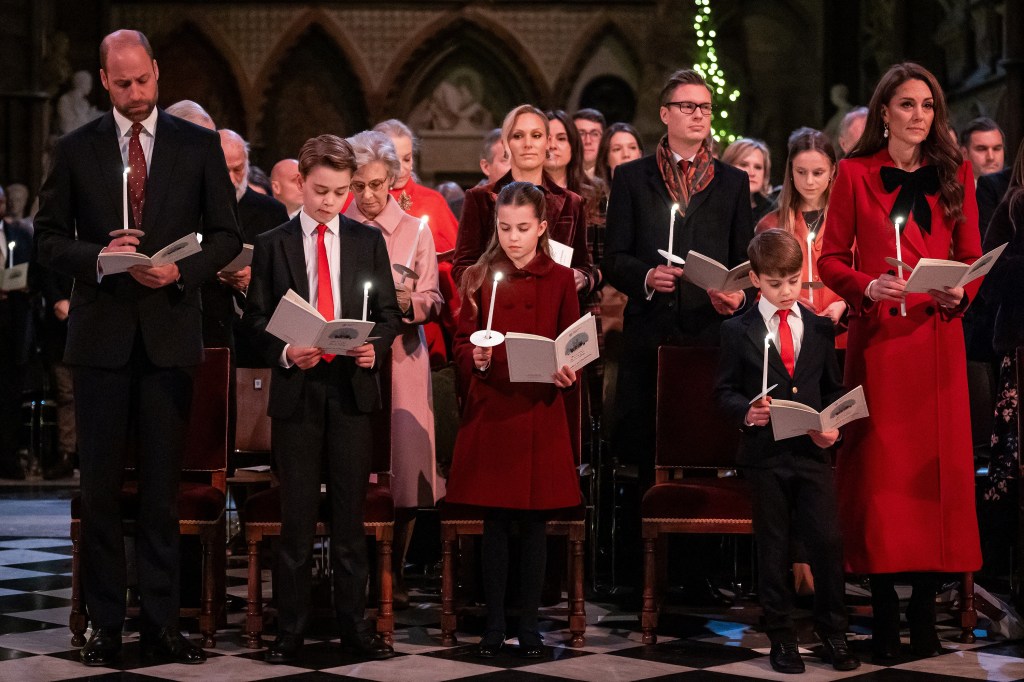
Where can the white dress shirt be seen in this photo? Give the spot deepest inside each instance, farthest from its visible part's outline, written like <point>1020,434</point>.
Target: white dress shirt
<point>771,320</point>
<point>146,138</point>
<point>676,158</point>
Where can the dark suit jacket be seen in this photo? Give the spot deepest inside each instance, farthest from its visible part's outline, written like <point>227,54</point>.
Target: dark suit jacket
<point>980,318</point>
<point>187,190</point>
<point>817,381</point>
<point>279,264</point>
<point>54,333</point>
<point>718,224</point>
<point>990,191</point>
<point>16,310</point>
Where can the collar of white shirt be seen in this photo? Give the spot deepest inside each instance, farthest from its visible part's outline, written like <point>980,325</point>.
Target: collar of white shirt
<point>124,126</point>
<point>309,225</point>
<point>768,310</point>
<point>676,158</point>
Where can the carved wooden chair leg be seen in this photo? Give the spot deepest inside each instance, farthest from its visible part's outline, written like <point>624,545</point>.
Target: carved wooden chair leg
<point>449,536</point>
<point>968,614</point>
<point>254,606</point>
<point>577,612</point>
<point>77,621</point>
<point>385,613</point>
<point>649,614</point>
<point>207,615</point>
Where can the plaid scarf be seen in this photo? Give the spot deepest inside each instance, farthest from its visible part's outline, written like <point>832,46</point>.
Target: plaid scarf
<point>698,175</point>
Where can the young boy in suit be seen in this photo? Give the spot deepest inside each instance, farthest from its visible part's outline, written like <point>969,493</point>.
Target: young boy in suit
<point>791,479</point>
<point>320,404</point>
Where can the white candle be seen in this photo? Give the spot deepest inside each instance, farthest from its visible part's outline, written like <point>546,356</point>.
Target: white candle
<point>494,294</point>
<point>10,254</point>
<point>671,231</point>
<point>810,268</point>
<point>415,243</point>
<point>899,257</point>
<point>764,373</point>
<point>124,195</point>
<point>366,299</point>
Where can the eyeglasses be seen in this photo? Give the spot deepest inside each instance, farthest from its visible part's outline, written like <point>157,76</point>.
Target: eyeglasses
<point>589,133</point>
<point>374,185</point>
<point>688,108</point>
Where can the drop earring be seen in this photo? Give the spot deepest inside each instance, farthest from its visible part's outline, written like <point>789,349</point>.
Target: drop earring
<point>885,130</point>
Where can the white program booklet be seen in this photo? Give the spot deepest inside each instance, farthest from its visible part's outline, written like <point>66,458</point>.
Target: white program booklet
<point>13,279</point>
<point>790,419</point>
<point>242,260</point>
<point>936,273</point>
<point>113,263</point>
<point>536,358</point>
<point>560,253</point>
<point>708,273</point>
<point>296,322</point>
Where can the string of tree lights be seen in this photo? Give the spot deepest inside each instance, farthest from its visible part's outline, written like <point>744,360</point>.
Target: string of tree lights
<point>722,96</point>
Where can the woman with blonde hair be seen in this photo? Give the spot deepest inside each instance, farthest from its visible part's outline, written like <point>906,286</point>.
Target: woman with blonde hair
<point>752,156</point>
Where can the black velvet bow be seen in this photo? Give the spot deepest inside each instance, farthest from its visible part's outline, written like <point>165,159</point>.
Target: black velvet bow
<point>913,188</point>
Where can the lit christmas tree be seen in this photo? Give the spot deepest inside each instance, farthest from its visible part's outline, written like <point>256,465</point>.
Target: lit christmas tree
<point>722,96</point>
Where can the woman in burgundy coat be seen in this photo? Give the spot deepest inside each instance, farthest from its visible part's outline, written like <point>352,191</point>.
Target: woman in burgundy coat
<point>513,453</point>
<point>905,475</point>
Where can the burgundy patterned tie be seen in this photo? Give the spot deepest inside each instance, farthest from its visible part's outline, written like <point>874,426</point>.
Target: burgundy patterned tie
<point>137,176</point>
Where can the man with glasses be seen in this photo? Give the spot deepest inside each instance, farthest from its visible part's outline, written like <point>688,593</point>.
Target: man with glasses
<point>590,125</point>
<point>714,219</point>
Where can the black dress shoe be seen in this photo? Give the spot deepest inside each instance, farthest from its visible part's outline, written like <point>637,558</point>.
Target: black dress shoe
<point>369,647</point>
<point>531,645</point>
<point>836,650</point>
<point>285,649</point>
<point>925,643</point>
<point>167,643</point>
<point>785,658</point>
<point>490,644</point>
<point>103,647</point>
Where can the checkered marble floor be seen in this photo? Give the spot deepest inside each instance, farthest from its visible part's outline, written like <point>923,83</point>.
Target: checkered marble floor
<point>35,586</point>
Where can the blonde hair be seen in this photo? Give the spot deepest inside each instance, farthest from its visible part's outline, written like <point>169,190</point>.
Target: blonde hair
<point>735,152</point>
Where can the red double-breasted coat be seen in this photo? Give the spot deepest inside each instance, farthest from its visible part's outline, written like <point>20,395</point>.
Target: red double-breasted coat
<point>514,449</point>
<point>904,477</point>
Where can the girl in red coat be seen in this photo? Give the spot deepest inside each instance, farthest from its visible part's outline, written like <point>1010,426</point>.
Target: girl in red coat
<point>513,453</point>
<point>905,476</point>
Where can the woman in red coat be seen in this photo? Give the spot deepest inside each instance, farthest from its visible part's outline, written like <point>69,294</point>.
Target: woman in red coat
<point>905,475</point>
<point>525,134</point>
<point>513,453</point>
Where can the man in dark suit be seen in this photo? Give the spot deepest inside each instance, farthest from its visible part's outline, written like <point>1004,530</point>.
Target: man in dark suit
<point>791,478</point>
<point>320,404</point>
<point>990,191</point>
<point>135,338</point>
<point>17,334</point>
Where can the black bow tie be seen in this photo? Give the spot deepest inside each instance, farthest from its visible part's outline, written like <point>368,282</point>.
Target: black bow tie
<point>913,188</point>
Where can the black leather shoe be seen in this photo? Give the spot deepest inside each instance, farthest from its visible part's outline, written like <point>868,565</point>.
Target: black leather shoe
<point>490,644</point>
<point>285,649</point>
<point>531,645</point>
<point>169,644</point>
<point>836,650</point>
<point>925,643</point>
<point>103,647</point>
<point>369,647</point>
<point>785,658</point>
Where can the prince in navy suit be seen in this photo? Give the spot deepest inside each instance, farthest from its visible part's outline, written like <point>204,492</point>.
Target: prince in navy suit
<point>791,478</point>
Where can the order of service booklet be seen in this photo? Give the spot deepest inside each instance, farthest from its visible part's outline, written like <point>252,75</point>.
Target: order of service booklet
<point>12,279</point>
<point>790,419</point>
<point>536,358</point>
<point>242,260</point>
<point>936,273</point>
<point>708,273</point>
<point>113,263</point>
<point>296,322</point>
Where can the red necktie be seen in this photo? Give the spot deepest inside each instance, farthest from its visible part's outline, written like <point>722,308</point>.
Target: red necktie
<point>684,166</point>
<point>786,342</point>
<point>137,176</point>
<point>324,294</point>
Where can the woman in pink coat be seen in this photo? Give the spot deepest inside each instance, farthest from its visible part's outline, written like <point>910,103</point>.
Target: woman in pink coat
<point>905,475</point>
<point>414,478</point>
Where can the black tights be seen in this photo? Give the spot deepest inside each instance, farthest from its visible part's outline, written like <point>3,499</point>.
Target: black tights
<point>533,555</point>
<point>885,603</point>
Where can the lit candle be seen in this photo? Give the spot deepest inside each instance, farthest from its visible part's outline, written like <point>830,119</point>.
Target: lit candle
<point>671,231</point>
<point>490,313</point>
<point>764,373</point>
<point>810,268</point>
<point>899,257</point>
<point>366,299</point>
<point>124,195</point>
<point>10,254</point>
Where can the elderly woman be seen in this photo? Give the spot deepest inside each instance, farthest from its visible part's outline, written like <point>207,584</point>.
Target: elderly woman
<point>415,481</point>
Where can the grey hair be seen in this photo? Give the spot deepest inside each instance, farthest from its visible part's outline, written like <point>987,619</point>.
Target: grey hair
<point>374,145</point>
<point>851,116</point>
<point>486,153</point>
<point>191,112</point>
<point>395,128</point>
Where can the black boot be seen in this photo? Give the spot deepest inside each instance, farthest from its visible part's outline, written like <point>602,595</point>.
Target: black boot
<point>924,641</point>
<point>885,618</point>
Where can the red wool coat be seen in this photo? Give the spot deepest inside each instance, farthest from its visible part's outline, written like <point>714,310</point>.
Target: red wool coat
<point>904,476</point>
<point>514,449</point>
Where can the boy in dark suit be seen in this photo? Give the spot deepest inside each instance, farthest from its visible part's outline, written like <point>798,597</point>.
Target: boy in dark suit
<point>792,478</point>
<point>320,404</point>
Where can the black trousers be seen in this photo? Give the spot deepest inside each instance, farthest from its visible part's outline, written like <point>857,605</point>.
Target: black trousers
<point>498,526</point>
<point>798,492</point>
<point>326,430</point>
<point>147,408</point>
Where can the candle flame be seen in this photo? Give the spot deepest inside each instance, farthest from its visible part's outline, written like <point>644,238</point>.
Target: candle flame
<point>497,276</point>
<point>810,237</point>
<point>675,208</point>
<point>768,339</point>
<point>366,287</point>
<point>898,220</point>
<point>127,170</point>
<point>423,220</point>
<point>11,245</point>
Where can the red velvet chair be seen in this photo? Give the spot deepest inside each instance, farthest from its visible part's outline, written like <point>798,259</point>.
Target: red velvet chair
<point>201,498</point>
<point>694,447</point>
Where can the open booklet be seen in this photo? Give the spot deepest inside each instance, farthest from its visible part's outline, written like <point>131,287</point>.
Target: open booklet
<point>560,253</point>
<point>242,260</point>
<point>790,419</point>
<point>296,322</point>
<point>536,358</point>
<point>936,273</point>
<point>113,263</point>
<point>708,273</point>
<point>12,279</point>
